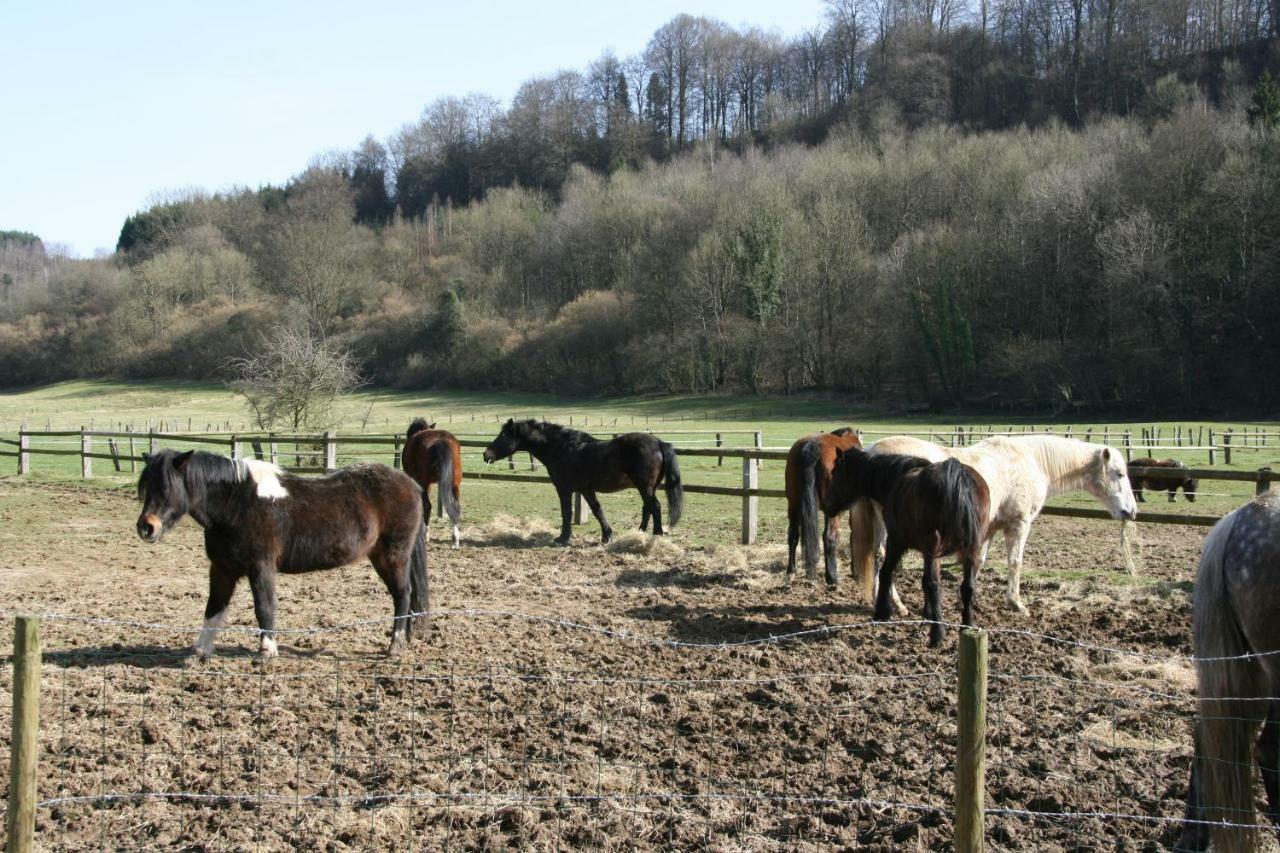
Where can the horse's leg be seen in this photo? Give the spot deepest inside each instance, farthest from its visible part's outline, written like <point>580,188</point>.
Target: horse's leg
<point>831,547</point>
<point>566,517</point>
<point>932,583</point>
<point>1195,833</point>
<point>456,516</point>
<point>793,537</point>
<point>893,556</point>
<point>426,512</point>
<point>394,571</point>
<point>1137,495</point>
<point>262,581</point>
<point>1268,755</point>
<point>655,510</point>
<point>967,586</point>
<point>606,532</point>
<point>1015,540</point>
<point>881,537</point>
<point>1172,492</point>
<point>222,583</point>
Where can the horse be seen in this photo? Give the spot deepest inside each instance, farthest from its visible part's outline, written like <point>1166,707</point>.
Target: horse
<point>434,456</point>
<point>579,462</point>
<point>259,521</point>
<point>808,477</point>
<point>936,508</point>
<point>1156,482</point>
<point>1237,655</point>
<point>1022,472</point>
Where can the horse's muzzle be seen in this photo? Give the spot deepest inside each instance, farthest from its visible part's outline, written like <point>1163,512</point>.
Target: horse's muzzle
<point>487,456</point>
<point>150,527</point>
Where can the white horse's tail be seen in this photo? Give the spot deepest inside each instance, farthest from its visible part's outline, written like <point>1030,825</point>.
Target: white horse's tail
<point>1229,687</point>
<point>862,547</point>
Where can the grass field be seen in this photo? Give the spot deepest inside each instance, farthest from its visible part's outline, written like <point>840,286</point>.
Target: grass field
<point>686,421</point>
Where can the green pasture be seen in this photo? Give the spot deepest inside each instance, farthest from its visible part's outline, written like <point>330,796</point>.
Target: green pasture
<point>686,421</point>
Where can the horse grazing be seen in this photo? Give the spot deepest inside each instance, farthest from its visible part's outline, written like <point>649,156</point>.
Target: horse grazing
<point>808,479</point>
<point>1237,650</point>
<point>259,521</point>
<point>1156,482</point>
<point>578,462</point>
<point>434,456</point>
<point>937,508</point>
<point>1022,472</point>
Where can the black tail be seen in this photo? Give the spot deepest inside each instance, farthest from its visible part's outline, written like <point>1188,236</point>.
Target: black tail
<point>418,425</point>
<point>810,456</point>
<point>962,498</point>
<point>419,586</point>
<point>444,462</point>
<point>671,481</point>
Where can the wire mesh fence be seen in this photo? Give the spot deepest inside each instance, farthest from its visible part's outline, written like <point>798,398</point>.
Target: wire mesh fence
<point>625,741</point>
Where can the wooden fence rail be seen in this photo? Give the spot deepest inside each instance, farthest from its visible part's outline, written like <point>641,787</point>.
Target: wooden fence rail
<point>315,454</point>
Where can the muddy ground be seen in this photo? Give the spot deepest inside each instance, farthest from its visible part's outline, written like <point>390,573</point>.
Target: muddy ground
<point>511,730</point>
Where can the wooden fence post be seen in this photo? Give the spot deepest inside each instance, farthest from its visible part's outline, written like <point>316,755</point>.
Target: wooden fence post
<point>235,448</point>
<point>256,444</point>
<point>86,447</point>
<point>1226,447</point>
<point>971,753</point>
<point>115,453</point>
<point>330,450</point>
<point>24,451</point>
<point>395,453</point>
<point>151,436</point>
<point>758,442</point>
<point>750,503</point>
<point>1128,447</point>
<point>133,451</point>
<point>24,748</point>
<point>1264,481</point>
<point>719,459</point>
<point>1212,451</point>
<point>275,450</point>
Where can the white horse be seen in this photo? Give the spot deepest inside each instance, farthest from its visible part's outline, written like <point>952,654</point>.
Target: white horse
<point>1022,472</point>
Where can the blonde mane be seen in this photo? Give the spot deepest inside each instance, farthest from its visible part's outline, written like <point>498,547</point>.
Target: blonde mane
<point>1070,464</point>
<point>265,475</point>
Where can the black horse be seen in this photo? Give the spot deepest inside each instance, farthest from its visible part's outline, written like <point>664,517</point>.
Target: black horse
<point>579,462</point>
<point>259,521</point>
<point>935,508</point>
<point>1176,478</point>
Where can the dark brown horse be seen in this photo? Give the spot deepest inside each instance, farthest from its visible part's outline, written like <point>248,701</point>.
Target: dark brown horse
<point>1176,479</point>
<point>579,462</point>
<point>935,508</point>
<point>259,521</point>
<point>808,478</point>
<point>434,456</point>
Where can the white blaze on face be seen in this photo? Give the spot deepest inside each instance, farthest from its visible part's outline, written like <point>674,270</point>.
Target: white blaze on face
<point>267,476</point>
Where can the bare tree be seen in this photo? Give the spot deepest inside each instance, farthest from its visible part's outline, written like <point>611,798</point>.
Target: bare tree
<point>295,380</point>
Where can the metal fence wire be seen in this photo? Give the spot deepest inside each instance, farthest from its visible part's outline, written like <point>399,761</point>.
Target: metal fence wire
<point>625,742</point>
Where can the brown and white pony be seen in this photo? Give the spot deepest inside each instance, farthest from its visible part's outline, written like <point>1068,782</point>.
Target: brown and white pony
<point>259,522</point>
<point>808,480</point>
<point>434,456</point>
<point>1022,472</point>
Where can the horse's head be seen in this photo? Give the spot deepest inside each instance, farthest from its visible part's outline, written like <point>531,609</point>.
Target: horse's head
<point>508,440</point>
<point>1109,483</point>
<point>162,489</point>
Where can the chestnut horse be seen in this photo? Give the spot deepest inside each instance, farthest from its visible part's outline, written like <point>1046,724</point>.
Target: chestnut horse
<point>1157,482</point>
<point>935,508</point>
<point>808,477</point>
<point>434,456</point>
<point>259,521</point>
<point>579,462</point>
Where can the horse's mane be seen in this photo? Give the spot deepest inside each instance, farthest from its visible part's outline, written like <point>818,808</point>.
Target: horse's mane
<point>418,425</point>
<point>205,469</point>
<point>1065,461</point>
<point>879,472</point>
<point>556,434</point>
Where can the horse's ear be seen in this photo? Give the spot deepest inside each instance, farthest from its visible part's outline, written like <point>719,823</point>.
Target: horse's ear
<point>180,461</point>
<point>146,458</point>
<point>431,425</point>
<point>1106,454</point>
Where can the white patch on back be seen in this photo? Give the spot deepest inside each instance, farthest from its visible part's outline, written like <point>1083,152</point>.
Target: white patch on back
<point>267,476</point>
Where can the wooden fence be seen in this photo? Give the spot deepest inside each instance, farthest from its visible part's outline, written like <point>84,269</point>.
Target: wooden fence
<point>319,453</point>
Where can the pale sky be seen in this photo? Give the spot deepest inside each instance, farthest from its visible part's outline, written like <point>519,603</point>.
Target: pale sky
<point>108,103</point>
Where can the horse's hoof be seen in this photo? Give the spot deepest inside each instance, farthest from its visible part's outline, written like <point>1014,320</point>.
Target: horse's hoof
<point>561,541</point>
<point>902,610</point>
<point>1016,605</point>
<point>606,537</point>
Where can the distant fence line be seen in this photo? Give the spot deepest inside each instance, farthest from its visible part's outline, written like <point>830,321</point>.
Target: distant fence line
<point>318,453</point>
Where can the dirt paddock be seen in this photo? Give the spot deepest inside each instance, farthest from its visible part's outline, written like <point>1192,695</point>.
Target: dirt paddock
<point>594,697</point>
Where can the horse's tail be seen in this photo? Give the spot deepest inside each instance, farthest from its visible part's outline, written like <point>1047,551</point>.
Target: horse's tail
<point>810,457</point>
<point>418,425</point>
<point>862,546</point>
<point>443,452</point>
<point>672,484</point>
<point>963,507</point>
<point>419,586</point>
<point>1229,707</point>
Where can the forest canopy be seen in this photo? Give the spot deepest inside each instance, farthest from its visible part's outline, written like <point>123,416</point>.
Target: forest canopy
<point>1035,205</point>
